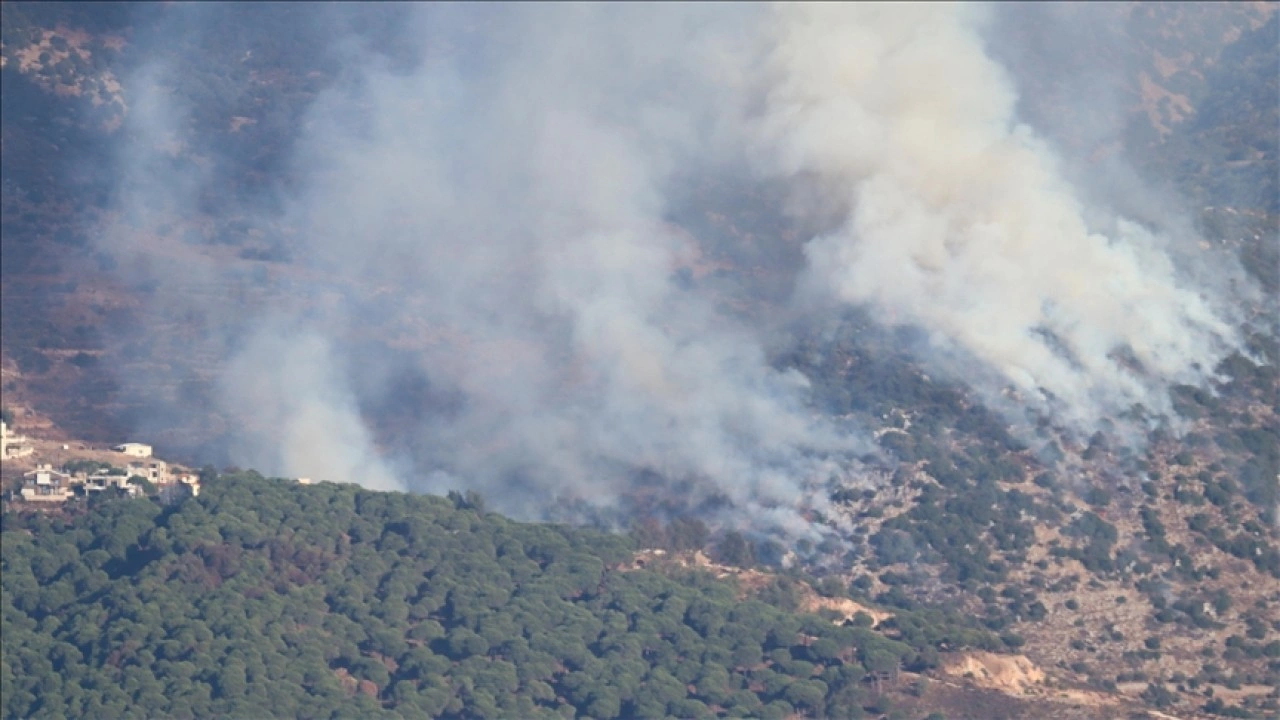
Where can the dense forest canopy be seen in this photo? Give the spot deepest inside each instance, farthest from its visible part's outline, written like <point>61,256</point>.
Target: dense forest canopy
<point>263,597</point>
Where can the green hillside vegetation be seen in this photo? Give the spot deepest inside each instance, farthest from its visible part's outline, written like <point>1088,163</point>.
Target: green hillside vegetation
<point>267,598</point>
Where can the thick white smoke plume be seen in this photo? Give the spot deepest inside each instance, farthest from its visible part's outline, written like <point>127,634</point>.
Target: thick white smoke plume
<point>503,211</point>
<point>517,214</point>
<point>289,382</point>
<point>958,219</point>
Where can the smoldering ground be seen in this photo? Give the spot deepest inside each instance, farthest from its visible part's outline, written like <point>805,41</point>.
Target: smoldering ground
<point>496,202</point>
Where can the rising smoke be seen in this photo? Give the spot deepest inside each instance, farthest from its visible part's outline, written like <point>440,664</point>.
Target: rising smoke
<point>959,220</point>
<point>500,204</point>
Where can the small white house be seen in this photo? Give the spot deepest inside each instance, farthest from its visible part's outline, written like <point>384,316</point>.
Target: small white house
<point>156,471</point>
<point>12,446</point>
<point>44,484</point>
<point>134,449</point>
<point>98,483</point>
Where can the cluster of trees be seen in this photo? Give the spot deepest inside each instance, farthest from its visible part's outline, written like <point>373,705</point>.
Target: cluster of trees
<point>91,467</point>
<point>267,598</point>
<point>865,371</point>
<point>967,532</point>
<point>1249,544</point>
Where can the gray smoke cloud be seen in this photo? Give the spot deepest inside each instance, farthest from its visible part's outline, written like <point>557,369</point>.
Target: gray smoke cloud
<point>516,208</point>
<point>959,219</point>
<point>500,206</point>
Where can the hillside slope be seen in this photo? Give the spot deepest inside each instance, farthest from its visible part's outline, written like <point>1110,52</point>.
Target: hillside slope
<point>265,598</point>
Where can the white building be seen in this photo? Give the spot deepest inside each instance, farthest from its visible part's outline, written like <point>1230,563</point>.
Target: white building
<point>98,483</point>
<point>13,446</point>
<point>44,484</point>
<point>134,449</point>
<point>157,471</point>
